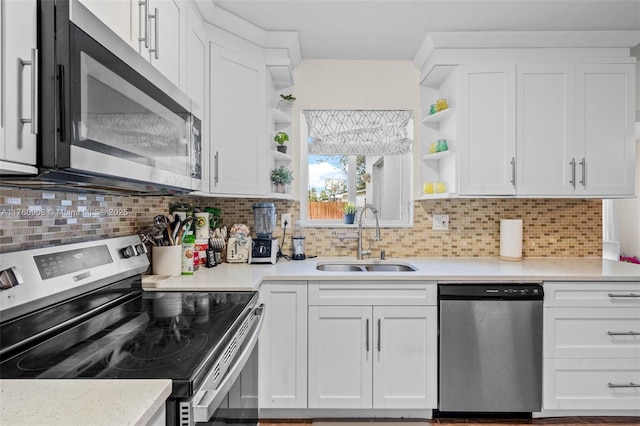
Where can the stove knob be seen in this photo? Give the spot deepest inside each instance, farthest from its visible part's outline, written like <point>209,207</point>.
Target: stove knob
<point>129,251</point>
<point>141,249</point>
<point>10,278</point>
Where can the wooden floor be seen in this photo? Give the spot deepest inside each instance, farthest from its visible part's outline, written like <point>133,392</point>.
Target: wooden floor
<point>569,421</point>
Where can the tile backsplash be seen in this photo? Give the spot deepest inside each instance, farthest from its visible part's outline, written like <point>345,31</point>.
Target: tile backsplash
<point>552,227</point>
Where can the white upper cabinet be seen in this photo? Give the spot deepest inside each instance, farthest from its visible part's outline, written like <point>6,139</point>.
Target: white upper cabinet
<point>487,133</point>
<point>238,122</point>
<point>161,26</point>
<point>18,93</point>
<point>605,145</point>
<point>196,58</point>
<point>545,129</point>
<point>155,28</point>
<point>119,15</point>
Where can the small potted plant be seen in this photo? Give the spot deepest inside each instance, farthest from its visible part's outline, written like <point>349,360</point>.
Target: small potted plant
<point>280,178</point>
<point>280,138</point>
<point>349,212</point>
<point>286,103</point>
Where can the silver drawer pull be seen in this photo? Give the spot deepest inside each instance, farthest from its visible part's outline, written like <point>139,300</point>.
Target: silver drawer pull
<point>630,385</point>
<point>624,295</point>
<point>623,333</point>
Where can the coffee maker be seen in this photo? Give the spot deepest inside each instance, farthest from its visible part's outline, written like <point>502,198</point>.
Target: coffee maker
<point>264,248</point>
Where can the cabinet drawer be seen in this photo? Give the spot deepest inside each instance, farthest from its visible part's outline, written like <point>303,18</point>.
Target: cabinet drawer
<point>591,384</point>
<point>592,333</point>
<point>388,293</point>
<point>592,294</point>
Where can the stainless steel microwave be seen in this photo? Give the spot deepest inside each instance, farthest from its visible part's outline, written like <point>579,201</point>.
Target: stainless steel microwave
<point>108,118</point>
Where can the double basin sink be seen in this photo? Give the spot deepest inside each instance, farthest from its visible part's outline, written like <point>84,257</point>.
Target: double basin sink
<point>365,267</point>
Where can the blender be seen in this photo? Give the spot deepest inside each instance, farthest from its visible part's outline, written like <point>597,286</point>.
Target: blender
<point>298,241</point>
<point>264,248</point>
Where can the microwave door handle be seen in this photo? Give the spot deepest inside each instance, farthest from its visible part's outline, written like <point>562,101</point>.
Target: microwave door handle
<point>209,402</point>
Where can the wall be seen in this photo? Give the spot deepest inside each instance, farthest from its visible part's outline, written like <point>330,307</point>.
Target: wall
<point>552,228</point>
<point>342,84</point>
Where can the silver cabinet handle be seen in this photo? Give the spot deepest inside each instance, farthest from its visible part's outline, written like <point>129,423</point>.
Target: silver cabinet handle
<point>367,340</point>
<point>33,63</point>
<point>513,171</point>
<point>156,31</point>
<point>379,334</point>
<point>573,172</point>
<point>145,5</point>
<point>624,295</point>
<point>215,164</point>
<point>630,385</point>
<point>623,333</point>
<point>583,163</point>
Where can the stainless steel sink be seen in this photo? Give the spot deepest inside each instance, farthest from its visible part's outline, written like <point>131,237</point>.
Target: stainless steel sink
<point>364,267</point>
<point>388,267</point>
<point>339,267</point>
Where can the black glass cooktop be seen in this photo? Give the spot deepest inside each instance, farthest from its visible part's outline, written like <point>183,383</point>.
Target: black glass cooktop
<point>169,335</point>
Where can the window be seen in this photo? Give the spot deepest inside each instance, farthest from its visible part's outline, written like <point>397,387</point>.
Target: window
<point>357,156</point>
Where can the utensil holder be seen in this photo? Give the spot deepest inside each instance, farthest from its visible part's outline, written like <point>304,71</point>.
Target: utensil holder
<point>166,260</point>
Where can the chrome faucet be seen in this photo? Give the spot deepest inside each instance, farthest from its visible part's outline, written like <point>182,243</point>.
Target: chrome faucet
<point>377,237</point>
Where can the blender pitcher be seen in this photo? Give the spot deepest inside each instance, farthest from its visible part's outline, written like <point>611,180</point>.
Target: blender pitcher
<point>264,216</point>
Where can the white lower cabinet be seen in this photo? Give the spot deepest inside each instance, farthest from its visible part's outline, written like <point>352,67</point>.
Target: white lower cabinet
<point>591,346</point>
<point>591,384</point>
<point>282,364</point>
<point>364,356</point>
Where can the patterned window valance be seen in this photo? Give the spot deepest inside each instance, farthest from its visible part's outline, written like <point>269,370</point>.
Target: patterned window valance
<point>355,132</point>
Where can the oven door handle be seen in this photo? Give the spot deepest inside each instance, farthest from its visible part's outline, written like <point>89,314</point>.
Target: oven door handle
<point>210,401</point>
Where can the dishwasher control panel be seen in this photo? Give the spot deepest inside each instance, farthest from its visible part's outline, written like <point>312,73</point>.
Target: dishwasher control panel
<point>523,291</point>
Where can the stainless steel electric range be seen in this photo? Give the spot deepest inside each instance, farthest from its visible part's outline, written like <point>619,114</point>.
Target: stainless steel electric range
<point>78,311</point>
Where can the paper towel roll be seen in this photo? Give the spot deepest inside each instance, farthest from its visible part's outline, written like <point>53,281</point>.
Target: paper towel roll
<point>511,239</point>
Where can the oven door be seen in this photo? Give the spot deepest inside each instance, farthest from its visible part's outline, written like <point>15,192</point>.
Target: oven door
<point>234,398</point>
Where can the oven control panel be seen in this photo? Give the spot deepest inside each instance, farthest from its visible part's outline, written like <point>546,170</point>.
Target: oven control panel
<point>48,274</point>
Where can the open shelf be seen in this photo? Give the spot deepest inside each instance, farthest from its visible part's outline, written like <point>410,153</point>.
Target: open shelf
<point>280,117</point>
<point>438,116</point>
<point>437,155</point>
<point>435,196</point>
<point>279,156</point>
<point>437,75</point>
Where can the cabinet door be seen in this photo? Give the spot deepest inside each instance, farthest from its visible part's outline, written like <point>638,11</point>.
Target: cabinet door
<point>405,354</point>
<point>238,122</point>
<point>165,26</point>
<point>340,354</point>
<point>283,346</point>
<point>605,145</point>
<point>545,126</point>
<point>19,83</point>
<point>118,15</point>
<point>487,129</point>
<point>196,58</point>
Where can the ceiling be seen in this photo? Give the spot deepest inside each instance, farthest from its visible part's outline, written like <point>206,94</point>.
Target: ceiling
<point>395,29</point>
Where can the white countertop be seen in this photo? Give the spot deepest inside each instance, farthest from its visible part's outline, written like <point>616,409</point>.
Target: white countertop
<point>81,402</point>
<point>244,277</point>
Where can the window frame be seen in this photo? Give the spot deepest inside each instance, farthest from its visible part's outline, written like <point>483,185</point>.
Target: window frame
<point>406,188</point>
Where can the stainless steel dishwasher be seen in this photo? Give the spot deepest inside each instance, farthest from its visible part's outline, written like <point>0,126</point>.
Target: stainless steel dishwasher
<point>490,348</point>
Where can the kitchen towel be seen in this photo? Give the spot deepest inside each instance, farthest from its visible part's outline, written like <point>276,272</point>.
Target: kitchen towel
<point>511,240</point>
